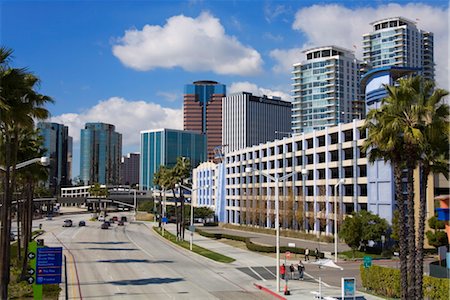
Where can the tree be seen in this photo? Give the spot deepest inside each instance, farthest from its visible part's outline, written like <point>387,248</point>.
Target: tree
<point>181,171</point>
<point>203,212</point>
<point>361,227</point>
<point>437,237</point>
<point>20,105</point>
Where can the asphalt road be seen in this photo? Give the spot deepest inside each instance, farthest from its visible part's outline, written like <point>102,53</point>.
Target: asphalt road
<point>134,262</point>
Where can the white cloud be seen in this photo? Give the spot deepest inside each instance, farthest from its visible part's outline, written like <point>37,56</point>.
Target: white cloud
<point>337,25</point>
<point>245,86</point>
<point>194,44</point>
<point>129,117</point>
<point>171,97</point>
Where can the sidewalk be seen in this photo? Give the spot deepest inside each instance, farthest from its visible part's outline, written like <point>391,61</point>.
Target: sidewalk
<point>262,269</point>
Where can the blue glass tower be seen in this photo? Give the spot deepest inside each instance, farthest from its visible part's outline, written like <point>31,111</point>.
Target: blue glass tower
<point>58,147</point>
<point>100,154</point>
<point>162,147</point>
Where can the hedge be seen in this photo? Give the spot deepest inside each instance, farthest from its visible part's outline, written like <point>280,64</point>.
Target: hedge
<point>386,282</point>
<point>255,247</point>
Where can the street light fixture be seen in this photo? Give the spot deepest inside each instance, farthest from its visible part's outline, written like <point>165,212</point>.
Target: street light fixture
<point>44,160</point>
<point>191,238</point>
<point>341,181</point>
<point>276,179</point>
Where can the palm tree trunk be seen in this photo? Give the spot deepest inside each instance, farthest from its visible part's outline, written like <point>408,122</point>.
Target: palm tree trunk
<point>19,228</point>
<point>401,231</point>
<point>160,209</point>
<point>28,212</point>
<point>5,229</point>
<point>411,235</point>
<point>421,231</point>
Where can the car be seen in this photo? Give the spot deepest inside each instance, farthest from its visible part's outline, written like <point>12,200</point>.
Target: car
<point>115,219</point>
<point>121,223</point>
<point>101,218</point>
<point>104,226</point>
<point>49,217</point>
<point>12,237</point>
<point>67,223</point>
<point>111,220</point>
<point>107,223</point>
<point>82,223</point>
<point>123,219</point>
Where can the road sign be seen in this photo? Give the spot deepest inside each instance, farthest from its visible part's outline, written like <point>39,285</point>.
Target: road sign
<point>292,245</point>
<point>192,228</point>
<point>31,255</point>
<point>164,219</point>
<point>30,280</point>
<point>48,265</point>
<point>367,261</point>
<point>348,287</point>
<point>30,271</point>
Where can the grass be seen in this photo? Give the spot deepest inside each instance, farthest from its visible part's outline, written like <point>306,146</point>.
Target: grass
<point>358,255</point>
<point>197,249</point>
<point>144,216</point>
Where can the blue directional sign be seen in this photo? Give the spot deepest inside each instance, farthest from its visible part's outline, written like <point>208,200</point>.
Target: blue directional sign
<point>49,265</point>
<point>164,219</point>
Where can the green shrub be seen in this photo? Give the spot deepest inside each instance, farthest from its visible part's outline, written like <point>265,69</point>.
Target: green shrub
<point>386,282</point>
<point>211,224</point>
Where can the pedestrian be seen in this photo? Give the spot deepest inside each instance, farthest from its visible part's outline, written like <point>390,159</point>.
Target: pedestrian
<point>301,269</point>
<point>282,270</point>
<point>317,254</point>
<point>306,254</point>
<point>292,269</point>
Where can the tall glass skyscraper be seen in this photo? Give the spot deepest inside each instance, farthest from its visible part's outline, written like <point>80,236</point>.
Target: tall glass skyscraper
<point>398,42</point>
<point>162,147</point>
<point>326,89</point>
<point>58,146</point>
<point>100,154</point>
<point>202,111</point>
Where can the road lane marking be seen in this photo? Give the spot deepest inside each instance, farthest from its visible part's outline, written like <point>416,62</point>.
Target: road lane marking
<point>257,274</point>
<point>325,284</point>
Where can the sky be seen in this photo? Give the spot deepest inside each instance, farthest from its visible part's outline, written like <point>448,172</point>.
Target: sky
<point>126,62</point>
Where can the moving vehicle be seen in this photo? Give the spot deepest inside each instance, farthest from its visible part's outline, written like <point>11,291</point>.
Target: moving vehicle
<point>121,223</point>
<point>12,237</point>
<point>101,218</point>
<point>115,219</point>
<point>123,219</point>
<point>82,223</point>
<point>104,226</point>
<point>107,223</point>
<point>67,223</point>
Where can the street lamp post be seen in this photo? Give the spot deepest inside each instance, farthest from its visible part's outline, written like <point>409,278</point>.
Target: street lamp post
<point>276,179</point>
<point>191,238</point>
<point>342,180</point>
<point>44,160</point>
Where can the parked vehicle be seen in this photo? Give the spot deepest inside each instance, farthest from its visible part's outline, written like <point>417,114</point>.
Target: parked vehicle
<point>12,237</point>
<point>67,223</point>
<point>82,223</point>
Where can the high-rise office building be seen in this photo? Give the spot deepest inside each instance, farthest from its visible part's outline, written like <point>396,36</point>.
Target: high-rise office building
<point>202,111</point>
<point>162,147</point>
<point>100,153</point>
<point>129,169</point>
<point>398,42</point>
<point>326,89</point>
<point>250,120</point>
<point>57,143</point>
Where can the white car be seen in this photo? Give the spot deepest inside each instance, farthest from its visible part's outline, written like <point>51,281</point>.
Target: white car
<point>101,218</point>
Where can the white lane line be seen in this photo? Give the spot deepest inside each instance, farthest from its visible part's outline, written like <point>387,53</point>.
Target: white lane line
<point>317,280</point>
<point>257,274</point>
<point>270,271</point>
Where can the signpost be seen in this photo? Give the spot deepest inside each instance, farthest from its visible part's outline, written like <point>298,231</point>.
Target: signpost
<point>348,287</point>
<point>49,265</point>
<point>367,261</point>
<point>32,253</point>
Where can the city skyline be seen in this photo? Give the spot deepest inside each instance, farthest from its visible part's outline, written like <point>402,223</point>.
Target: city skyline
<point>91,71</point>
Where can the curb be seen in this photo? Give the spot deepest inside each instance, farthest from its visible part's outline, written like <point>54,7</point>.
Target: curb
<point>263,288</point>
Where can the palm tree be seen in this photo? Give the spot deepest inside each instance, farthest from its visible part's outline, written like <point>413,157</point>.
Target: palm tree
<point>19,106</point>
<point>434,142</point>
<point>182,170</point>
<point>380,145</point>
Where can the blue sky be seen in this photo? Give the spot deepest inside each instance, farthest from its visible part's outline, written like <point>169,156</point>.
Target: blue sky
<point>126,62</point>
